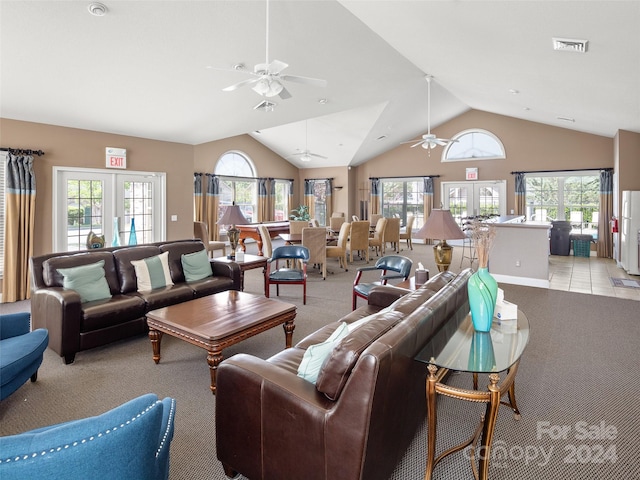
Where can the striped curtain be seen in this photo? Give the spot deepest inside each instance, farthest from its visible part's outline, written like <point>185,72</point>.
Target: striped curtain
<point>328,198</point>
<point>289,200</point>
<point>198,198</point>
<point>212,200</point>
<point>19,228</point>
<point>309,197</point>
<point>376,196</point>
<point>604,246</point>
<point>427,199</point>
<point>521,194</point>
<point>265,198</point>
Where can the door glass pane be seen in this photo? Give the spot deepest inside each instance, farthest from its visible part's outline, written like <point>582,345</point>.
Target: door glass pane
<point>138,205</point>
<point>489,201</point>
<point>84,212</point>
<point>458,202</point>
<point>403,198</point>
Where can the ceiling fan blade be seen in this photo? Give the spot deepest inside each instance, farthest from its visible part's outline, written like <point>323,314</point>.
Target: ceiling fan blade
<point>317,156</point>
<point>276,66</point>
<point>316,82</point>
<point>235,86</point>
<point>411,141</point>
<point>284,93</point>
<point>421,142</point>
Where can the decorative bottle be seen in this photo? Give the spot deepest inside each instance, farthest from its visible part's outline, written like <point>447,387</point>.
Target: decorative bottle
<point>133,238</point>
<point>116,233</point>
<point>483,293</point>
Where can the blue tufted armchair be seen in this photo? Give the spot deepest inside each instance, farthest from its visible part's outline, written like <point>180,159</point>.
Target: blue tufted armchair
<point>130,441</point>
<point>21,351</point>
<point>399,266</point>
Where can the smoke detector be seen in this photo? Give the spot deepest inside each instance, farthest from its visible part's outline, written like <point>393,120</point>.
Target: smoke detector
<point>570,45</point>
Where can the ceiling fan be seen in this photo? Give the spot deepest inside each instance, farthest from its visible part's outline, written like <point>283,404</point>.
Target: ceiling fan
<point>268,79</point>
<point>429,140</point>
<point>306,155</point>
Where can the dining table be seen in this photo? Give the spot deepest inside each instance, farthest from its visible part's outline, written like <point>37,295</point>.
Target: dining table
<point>296,238</point>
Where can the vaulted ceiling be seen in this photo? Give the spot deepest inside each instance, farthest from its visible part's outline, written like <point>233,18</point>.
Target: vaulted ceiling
<point>142,69</point>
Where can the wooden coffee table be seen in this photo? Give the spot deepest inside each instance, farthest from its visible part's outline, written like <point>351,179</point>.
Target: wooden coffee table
<point>218,321</point>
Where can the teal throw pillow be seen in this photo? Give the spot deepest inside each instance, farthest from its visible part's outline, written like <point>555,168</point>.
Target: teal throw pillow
<point>196,266</point>
<point>88,280</point>
<point>315,355</point>
<point>153,272</point>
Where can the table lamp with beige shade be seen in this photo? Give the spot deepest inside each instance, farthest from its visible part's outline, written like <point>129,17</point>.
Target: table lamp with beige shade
<point>441,226</point>
<point>231,217</point>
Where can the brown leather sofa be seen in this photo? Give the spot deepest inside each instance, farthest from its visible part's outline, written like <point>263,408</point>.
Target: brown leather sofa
<point>360,416</point>
<point>74,326</point>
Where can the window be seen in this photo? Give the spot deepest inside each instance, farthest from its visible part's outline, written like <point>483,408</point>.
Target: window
<point>474,145</point>
<point>320,199</point>
<point>88,200</point>
<point>404,197</point>
<point>237,184</point>
<point>281,201</point>
<point>574,197</point>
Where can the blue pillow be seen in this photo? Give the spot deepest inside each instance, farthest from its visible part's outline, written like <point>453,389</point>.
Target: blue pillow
<point>196,266</point>
<point>88,280</point>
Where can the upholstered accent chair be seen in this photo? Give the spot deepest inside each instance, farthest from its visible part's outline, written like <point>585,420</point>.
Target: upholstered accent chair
<point>359,239</point>
<point>287,266</point>
<point>201,231</point>
<point>315,239</point>
<point>21,352</point>
<point>339,250</point>
<point>130,441</point>
<point>405,233</point>
<point>377,242</point>
<point>390,267</point>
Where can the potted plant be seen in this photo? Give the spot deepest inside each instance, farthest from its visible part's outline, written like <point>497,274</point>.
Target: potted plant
<point>301,213</point>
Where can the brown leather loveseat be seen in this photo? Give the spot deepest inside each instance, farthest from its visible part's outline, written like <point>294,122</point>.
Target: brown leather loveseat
<point>75,326</point>
<point>359,417</point>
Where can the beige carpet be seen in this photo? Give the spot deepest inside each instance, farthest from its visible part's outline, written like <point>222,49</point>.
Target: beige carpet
<point>577,375</point>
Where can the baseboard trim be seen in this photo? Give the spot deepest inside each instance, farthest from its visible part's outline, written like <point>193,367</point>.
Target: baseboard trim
<point>525,281</point>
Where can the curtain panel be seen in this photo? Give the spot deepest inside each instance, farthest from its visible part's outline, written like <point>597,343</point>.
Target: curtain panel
<point>289,201</point>
<point>329,200</point>
<point>309,197</point>
<point>265,199</point>
<point>427,199</point>
<point>521,194</point>
<point>20,210</point>
<point>604,246</point>
<point>376,196</point>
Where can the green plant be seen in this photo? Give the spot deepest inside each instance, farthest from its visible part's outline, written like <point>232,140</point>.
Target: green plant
<point>301,213</point>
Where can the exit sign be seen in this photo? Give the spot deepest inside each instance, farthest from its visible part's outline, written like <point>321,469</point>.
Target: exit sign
<point>472,174</point>
<point>116,157</point>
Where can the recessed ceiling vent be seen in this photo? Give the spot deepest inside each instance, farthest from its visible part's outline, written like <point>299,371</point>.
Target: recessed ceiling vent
<point>570,45</point>
<point>265,106</point>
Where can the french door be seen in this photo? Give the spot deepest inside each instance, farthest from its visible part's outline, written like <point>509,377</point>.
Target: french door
<point>466,199</point>
<point>103,203</point>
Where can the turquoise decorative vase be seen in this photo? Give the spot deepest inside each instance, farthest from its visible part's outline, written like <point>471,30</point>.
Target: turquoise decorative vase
<point>481,357</point>
<point>483,291</point>
<point>116,232</point>
<point>133,238</point>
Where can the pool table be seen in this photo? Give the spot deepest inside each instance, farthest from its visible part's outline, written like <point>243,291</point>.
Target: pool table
<point>251,231</point>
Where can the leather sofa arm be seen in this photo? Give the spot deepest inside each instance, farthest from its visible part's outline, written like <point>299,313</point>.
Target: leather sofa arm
<point>227,269</point>
<point>60,312</point>
<point>385,295</point>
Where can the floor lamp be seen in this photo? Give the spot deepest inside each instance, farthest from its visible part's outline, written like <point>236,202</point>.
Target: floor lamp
<point>233,216</point>
<point>441,226</point>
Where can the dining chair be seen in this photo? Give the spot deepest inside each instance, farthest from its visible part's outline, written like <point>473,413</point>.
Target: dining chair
<point>405,233</point>
<point>339,250</point>
<point>296,226</point>
<point>399,265</point>
<point>373,220</point>
<point>377,241</point>
<point>392,233</point>
<point>267,246</point>
<point>335,223</point>
<point>355,218</point>
<point>201,231</point>
<point>359,239</point>
<point>315,239</point>
<point>297,257</point>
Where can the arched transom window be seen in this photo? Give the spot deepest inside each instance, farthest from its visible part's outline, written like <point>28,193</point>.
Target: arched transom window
<point>474,144</point>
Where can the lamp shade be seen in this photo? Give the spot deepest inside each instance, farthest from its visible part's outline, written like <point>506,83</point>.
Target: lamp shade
<point>233,216</point>
<point>440,226</point>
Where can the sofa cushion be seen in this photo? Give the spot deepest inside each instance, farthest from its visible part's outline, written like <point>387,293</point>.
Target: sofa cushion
<point>88,280</point>
<point>51,277</point>
<point>176,250</point>
<point>152,272</point>
<point>196,266</point>
<point>315,355</point>
<point>338,365</point>
<point>413,300</point>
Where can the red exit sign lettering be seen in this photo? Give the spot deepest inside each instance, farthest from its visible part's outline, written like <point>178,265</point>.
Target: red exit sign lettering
<point>116,157</point>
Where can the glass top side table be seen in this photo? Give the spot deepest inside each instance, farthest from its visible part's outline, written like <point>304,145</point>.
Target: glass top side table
<point>457,346</point>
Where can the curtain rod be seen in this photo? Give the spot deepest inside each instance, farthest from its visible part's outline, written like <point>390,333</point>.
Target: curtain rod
<point>21,151</point>
<point>244,178</point>
<point>409,176</point>
<point>565,170</point>
<point>314,179</point>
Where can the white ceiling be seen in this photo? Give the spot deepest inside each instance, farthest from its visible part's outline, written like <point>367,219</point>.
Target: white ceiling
<point>141,70</point>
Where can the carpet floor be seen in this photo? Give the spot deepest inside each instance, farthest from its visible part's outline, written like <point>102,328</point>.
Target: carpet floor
<point>576,387</point>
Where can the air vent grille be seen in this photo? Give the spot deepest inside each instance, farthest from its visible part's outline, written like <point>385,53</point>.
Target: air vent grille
<point>570,45</point>
<point>265,106</point>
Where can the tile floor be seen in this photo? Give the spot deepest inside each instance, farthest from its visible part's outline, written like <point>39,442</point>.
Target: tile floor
<point>589,275</point>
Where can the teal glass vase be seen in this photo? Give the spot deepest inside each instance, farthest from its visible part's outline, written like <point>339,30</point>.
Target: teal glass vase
<point>133,238</point>
<point>116,232</point>
<point>483,291</point>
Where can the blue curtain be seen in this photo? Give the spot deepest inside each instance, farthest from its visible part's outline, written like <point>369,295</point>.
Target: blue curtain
<point>521,194</point>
